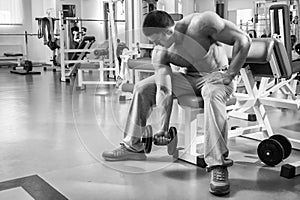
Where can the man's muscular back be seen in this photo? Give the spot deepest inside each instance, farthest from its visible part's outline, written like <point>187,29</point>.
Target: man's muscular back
<point>192,42</point>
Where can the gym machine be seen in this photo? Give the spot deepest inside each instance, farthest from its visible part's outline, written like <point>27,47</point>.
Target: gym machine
<point>66,71</point>
<point>25,66</point>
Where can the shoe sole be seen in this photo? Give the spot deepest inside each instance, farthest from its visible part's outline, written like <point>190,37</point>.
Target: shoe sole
<point>219,193</point>
<point>125,158</point>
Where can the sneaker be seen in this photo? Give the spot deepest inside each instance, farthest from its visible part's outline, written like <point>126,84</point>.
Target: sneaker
<point>219,184</point>
<point>122,153</point>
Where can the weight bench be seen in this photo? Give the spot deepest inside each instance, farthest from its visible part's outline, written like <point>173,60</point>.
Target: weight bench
<point>11,59</point>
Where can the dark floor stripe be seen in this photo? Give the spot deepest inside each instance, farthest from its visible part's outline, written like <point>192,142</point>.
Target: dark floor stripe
<point>35,186</point>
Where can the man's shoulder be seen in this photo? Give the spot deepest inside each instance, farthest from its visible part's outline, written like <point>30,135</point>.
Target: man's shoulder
<point>203,19</point>
<point>206,16</point>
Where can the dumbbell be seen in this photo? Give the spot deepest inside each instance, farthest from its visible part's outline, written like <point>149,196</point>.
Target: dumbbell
<point>274,150</point>
<point>148,138</point>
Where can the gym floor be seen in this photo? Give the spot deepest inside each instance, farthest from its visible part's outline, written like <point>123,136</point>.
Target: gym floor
<point>52,137</point>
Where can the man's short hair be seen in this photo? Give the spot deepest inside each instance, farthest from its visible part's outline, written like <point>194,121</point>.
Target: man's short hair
<point>156,21</point>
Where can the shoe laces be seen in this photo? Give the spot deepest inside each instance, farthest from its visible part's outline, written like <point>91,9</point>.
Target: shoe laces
<point>120,150</point>
<point>219,174</point>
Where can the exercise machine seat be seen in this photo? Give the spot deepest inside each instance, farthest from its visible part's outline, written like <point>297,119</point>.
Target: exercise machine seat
<point>13,54</point>
<point>190,101</point>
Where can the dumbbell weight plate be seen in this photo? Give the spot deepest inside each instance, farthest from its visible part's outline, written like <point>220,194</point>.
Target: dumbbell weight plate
<point>27,65</point>
<point>285,143</point>
<point>148,138</point>
<point>270,152</point>
<point>172,146</point>
<point>297,48</point>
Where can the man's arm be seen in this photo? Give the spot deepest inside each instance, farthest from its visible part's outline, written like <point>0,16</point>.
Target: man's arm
<point>163,74</point>
<point>228,33</point>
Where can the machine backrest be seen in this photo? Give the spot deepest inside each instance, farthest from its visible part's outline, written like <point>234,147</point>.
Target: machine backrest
<point>267,57</point>
<point>85,43</point>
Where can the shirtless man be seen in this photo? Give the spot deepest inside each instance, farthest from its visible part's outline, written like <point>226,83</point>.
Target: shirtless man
<point>187,44</point>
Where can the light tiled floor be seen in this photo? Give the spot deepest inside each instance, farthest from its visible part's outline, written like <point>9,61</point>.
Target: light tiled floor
<point>16,193</point>
<point>50,129</point>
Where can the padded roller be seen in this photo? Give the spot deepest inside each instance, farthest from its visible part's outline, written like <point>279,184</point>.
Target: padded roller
<point>141,63</point>
<point>259,52</point>
<point>100,52</point>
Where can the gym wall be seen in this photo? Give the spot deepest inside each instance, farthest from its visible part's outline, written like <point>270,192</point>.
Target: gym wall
<point>36,49</point>
<point>240,4</point>
<point>92,9</point>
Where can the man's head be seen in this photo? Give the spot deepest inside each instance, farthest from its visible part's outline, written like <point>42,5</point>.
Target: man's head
<point>158,27</point>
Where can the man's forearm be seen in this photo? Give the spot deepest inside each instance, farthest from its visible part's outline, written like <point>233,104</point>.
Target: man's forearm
<point>240,52</point>
<point>164,88</point>
<point>164,97</point>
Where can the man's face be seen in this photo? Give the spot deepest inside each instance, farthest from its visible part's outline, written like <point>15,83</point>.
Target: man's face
<point>161,38</point>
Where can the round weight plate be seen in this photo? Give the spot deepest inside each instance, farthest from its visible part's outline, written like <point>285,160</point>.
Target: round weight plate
<point>28,65</point>
<point>172,146</point>
<point>172,132</point>
<point>270,152</point>
<point>297,48</point>
<point>148,138</point>
<point>285,143</point>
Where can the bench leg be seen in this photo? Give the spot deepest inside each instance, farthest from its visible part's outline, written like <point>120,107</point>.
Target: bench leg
<point>191,140</point>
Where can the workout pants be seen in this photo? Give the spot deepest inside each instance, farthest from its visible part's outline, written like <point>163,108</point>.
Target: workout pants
<point>215,116</point>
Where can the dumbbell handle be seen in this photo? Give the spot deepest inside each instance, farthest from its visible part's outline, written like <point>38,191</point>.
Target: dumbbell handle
<point>171,140</point>
<point>143,140</point>
<point>156,141</point>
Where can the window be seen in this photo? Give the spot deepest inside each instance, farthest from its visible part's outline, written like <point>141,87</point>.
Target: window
<point>11,12</point>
